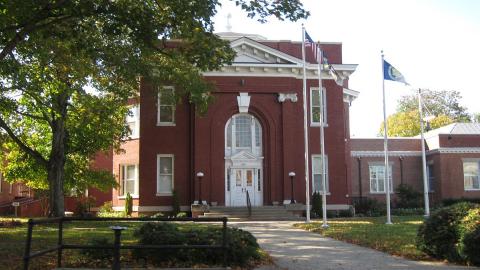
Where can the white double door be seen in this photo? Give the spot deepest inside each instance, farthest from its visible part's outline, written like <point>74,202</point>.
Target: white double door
<point>243,180</point>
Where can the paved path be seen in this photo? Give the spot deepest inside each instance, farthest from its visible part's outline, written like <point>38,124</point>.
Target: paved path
<point>296,249</point>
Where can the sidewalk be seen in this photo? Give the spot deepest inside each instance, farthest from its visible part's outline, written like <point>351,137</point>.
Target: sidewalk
<point>296,249</point>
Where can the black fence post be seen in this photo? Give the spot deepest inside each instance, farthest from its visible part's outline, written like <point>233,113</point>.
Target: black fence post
<point>26,256</point>
<point>60,242</point>
<point>224,244</point>
<point>116,247</point>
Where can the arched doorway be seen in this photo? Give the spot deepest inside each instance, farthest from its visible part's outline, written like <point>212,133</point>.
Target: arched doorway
<point>243,161</point>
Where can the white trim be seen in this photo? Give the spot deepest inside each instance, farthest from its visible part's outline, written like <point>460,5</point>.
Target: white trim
<point>456,150</point>
<point>136,120</point>
<point>160,123</point>
<point>474,161</point>
<point>123,172</point>
<point>350,95</point>
<point>380,165</point>
<point>382,153</point>
<point>158,174</point>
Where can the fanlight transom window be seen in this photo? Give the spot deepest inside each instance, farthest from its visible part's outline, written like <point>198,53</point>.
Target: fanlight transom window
<point>243,132</point>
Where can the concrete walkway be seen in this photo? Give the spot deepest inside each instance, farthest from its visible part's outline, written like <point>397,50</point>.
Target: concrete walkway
<point>296,249</point>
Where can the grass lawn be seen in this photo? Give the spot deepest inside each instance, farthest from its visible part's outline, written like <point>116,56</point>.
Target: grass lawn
<point>397,239</point>
<point>12,243</point>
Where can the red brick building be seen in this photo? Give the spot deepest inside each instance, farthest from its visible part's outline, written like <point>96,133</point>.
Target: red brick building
<point>453,163</point>
<point>250,138</point>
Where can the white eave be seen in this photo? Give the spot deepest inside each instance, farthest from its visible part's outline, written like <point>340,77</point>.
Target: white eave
<point>349,95</point>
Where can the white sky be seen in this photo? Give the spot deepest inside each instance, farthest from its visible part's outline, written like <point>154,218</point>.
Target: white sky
<point>435,44</point>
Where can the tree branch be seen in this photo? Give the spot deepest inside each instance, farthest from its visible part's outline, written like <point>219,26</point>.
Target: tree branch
<point>33,153</point>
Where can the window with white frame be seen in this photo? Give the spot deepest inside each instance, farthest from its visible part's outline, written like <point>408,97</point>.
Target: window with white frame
<point>166,106</point>
<point>317,173</point>
<point>133,121</point>
<point>471,172</point>
<point>165,170</point>
<point>316,108</point>
<point>243,131</point>
<point>377,178</point>
<point>128,180</point>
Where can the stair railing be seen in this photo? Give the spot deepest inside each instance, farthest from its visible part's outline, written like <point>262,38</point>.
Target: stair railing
<point>249,205</point>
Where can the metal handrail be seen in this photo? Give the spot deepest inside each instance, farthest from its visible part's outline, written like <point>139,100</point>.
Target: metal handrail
<point>249,205</point>
<point>28,255</point>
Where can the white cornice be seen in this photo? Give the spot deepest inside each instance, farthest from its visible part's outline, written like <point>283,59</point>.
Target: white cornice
<point>382,153</point>
<point>456,150</point>
<point>349,95</point>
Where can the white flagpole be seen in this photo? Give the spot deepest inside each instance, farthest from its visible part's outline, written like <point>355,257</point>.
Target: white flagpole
<point>424,159</point>
<point>305,129</point>
<point>322,139</point>
<point>385,145</point>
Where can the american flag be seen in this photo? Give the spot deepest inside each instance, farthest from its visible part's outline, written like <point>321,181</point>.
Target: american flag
<point>309,43</point>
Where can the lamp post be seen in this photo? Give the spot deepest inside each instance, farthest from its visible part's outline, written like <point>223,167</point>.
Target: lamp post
<point>292,175</point>
<point>200,175</point>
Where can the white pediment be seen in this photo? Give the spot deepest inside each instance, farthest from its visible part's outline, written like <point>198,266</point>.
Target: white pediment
<point>248,49</point>
<point>244,156</point>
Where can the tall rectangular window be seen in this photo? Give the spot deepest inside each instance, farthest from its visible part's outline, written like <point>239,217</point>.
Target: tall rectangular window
<point>165,169</point>
<point>377,178</point>
<point>128,180</point>
<point>316,108</point>
<point>133,121</point>
<point>317,173</point>
<point>471,172</point>
<point>166,106</point>
<point>431,178</point>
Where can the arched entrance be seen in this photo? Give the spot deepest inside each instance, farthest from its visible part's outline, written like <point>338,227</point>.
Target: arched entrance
<point>243,161</point>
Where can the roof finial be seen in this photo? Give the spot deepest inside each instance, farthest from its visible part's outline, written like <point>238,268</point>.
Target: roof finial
<point>229,26</point>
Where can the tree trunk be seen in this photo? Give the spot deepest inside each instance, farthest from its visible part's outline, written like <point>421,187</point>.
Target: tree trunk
<point>56,163</point>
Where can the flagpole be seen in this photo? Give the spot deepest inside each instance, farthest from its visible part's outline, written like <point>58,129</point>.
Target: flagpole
<point>322,139</point>
<point>305,129</point>
<point>385,145</point>
<point>424,159</point>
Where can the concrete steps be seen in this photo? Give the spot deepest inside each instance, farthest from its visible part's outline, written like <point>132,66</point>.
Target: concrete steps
<point>258,213</point>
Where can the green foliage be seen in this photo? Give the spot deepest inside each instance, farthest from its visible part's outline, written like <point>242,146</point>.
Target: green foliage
<point>436,102</point>
<point>243,247</point>
<point>100,255</point>
<point>408,197</point>
<point>128,205</point>
<point>106,210</point>
<point>67,69</point>
<point>407,124</point>
<point>368,207</point>
<point>439,235</point>
<point>451,201</point>
<point>469,243</point>
<point>408,211</point>
<point>83,206</point>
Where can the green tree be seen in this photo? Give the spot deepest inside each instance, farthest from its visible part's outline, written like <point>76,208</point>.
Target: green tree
<point>443,105</point>
<point>407,124</point>
<point>54,52</point>
<point>476,117</point>
<point>441,102</point>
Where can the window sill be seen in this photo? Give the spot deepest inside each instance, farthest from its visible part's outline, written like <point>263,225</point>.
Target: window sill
<point>328,193</point>
<point>166,124</point>
<point>164,194</point>
<point>313,124</point>
<point>124,197</point>
<point>472,189</point>
<point>380,193</point>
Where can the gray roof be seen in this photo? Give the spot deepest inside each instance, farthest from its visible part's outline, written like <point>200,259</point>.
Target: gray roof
<point>456,128</point>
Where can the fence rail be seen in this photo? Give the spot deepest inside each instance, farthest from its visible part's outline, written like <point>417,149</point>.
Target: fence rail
<point>116,247</point>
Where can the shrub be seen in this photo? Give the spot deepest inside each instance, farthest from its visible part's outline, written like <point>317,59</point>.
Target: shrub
<point>450,201</point>
<point>438,236</point>
<point>98,254</point>
<point>316,205</point>
<point>368,207</point>
<point>243,247</point>
<point>106,210</point>
<point>408,211</point>
<point>469,246</point>
<point>128,205</point>
<point>408,197</point>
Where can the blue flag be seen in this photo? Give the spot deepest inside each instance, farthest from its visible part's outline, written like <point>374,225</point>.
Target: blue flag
<point>392,74</point>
